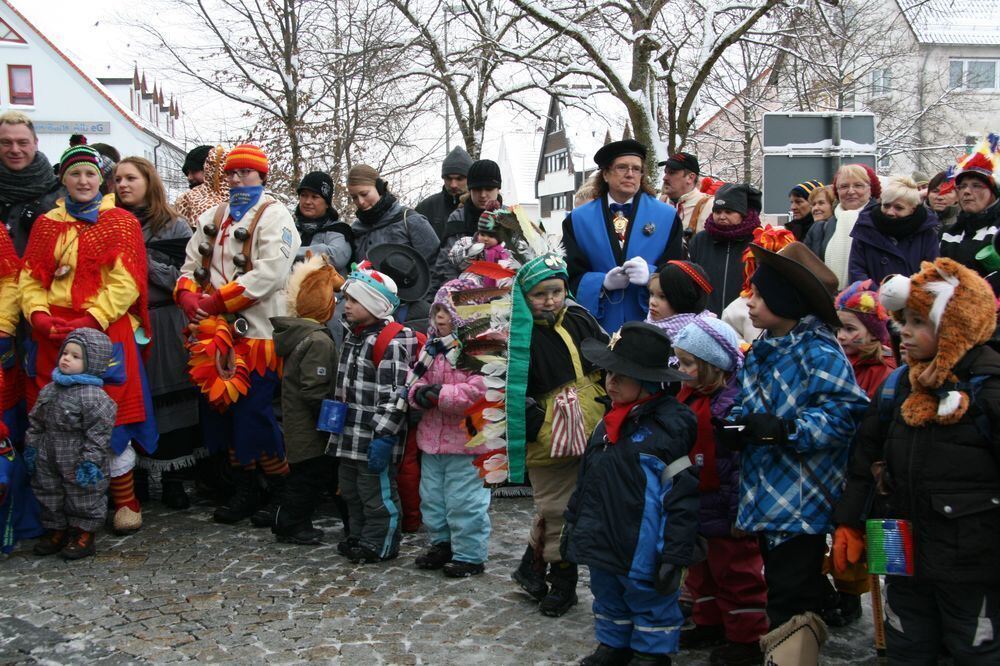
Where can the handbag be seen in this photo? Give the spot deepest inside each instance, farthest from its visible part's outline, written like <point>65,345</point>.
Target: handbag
<point>569,438</point>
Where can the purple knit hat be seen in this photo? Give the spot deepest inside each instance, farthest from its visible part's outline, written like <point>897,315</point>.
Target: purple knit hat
<point>443,300</point>
<point>861,300</point>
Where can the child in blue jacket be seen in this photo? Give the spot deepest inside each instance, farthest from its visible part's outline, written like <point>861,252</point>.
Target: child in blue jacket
<point>797,413</point>
<point>633,518</point>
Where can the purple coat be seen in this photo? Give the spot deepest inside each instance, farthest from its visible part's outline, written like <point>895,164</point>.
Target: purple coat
<point>875,255</point>
<point>717,512</point>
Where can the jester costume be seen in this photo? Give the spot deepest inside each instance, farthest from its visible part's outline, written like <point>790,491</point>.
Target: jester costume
<point>93,273</point>
<point>10,314</point>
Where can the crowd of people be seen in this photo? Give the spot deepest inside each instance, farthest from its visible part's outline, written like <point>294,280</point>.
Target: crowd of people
<point>716,416</point>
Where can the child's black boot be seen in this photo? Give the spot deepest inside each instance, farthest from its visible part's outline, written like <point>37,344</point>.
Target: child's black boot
<point>605,655</point>
<point>244,501</point>
<point>435,557</point>
<point>562,593</point>
<point>530,575</point>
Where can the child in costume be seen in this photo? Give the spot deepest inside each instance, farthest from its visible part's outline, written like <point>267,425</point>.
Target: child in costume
<point>793,422</point>
<point>728,588</point>
<point>453,499</point>
<point>67,446</point>
<point>371,445</point>
<point>308,354</point>
<point>677,296</point>
<point>928,453</point>
<point>864,337</point>
<point>633,518</point>
<point>736,313</point>
<point>544,371</point>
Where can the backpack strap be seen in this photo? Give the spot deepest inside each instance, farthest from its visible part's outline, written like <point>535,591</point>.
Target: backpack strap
<point>888,394</point>
<point>385,336</point>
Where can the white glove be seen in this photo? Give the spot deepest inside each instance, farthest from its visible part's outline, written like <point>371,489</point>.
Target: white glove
<point>637,270</point>
<point>615,279</point>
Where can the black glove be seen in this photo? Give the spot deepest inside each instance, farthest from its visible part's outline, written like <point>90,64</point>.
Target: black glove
<point>427,396</point>
<point>668,578</point>
<point>534,419</point>
<point>731,433</point>
<point>564,538</point>
<point>766,429</point>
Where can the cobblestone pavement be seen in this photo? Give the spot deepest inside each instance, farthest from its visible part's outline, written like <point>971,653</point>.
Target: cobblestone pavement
<point>185,588</point>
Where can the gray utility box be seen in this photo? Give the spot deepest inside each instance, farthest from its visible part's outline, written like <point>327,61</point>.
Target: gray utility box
<point>800,146</point>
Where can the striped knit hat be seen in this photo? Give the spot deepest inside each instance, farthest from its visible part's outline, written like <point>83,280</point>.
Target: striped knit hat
<point>79,155</point>
<point>247,156</point>
<point>803,190</point>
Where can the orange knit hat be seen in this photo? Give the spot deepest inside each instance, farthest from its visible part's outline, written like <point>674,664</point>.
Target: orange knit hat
<point>247,156</point>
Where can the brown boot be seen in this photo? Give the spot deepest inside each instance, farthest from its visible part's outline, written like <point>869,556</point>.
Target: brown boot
<point>81,544</point>
<point>50,543</point>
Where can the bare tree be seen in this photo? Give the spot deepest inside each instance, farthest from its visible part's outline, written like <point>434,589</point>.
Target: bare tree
<point>668,48</point>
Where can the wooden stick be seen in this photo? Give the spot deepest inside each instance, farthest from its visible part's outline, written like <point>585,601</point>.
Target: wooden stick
<point>878,618</point>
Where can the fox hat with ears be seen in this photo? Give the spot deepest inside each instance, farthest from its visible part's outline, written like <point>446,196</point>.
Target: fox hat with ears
<point>311,286</point>
<point>961,306</point>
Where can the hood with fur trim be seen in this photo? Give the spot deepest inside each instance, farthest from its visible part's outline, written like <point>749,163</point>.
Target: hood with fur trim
<point>962,308</point>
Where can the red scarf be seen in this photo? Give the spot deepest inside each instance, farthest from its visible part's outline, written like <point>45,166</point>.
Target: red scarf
<point>615,418</point>
<point>704,446</point>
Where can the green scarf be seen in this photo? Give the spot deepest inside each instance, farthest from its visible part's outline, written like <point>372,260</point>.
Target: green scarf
<point>522,322</point>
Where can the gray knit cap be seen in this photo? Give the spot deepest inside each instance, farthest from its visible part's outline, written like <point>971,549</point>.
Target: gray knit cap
<point>456,162</point>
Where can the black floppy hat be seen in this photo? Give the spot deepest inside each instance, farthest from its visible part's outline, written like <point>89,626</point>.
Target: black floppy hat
<point>638,350</point>
<point>407,268</point>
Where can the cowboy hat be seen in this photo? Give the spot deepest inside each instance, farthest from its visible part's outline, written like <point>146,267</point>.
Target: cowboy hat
<point>805,273</point>
<point>638,350</point>
<point>407,268</point>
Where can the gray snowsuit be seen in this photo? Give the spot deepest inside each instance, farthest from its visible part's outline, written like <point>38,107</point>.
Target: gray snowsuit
<point>69,425</point>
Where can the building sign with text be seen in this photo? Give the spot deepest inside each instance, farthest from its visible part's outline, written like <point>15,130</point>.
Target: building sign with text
<point>72,126</point>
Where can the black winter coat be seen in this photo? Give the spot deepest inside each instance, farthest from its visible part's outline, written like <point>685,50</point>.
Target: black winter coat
<point>723,261</point>
<point>436,208</point>
<point>970,234</point>
<point>622,517</point>
<point>945,479</point>
<point>19,217</point>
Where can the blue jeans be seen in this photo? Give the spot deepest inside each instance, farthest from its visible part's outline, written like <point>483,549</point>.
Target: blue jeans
<point>455,505</point>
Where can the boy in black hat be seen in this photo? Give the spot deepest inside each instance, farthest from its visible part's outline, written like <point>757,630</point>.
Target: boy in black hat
<point>633,518</point>
<point>794,422</point>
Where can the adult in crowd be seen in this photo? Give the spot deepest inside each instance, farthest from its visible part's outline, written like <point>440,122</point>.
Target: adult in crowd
<point>139,190</point>
<point>85,266</point>
<point>194,165</point>
<point>109,158</point>
<point>895,236</point>
<point>439,206</point>
<point>616,241</point>
<point>801,217</point>
<point>942,198</point>
<point>680,189</point>
<point>968,241</point>
<point>822,201</point>
<point>719,247</point>
<point>213,192</point>
<point>28,185</point>
<point>235,269</point>
<point>857,187</point>
<point>484,194</point>
<point>319,225</point>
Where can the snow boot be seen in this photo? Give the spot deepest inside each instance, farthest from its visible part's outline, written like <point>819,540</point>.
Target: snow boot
<point>264,516</point>
<point>81,544</point>
<point>562,591</point>
<point>435,557</point>
<point>796,642</point>
<point>736,654</point>
<point>173,494</point>
<point>845,611</point>
<point>50,543</point>
<point>701,636</point>
<point>530,575</point>
<point>455,569</point>
<point>605,655</point>
<point>649,659</point>
<point>243,502</point>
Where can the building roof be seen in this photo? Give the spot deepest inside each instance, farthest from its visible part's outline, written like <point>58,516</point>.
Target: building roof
<point>518,152</point>
<point>589,125</point>
<point>127,114</point>
<point>965,22</point>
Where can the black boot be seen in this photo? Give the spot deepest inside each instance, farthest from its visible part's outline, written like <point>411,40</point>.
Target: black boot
<point>605,655</point>
<point>845,611</point>
<point>562,593</point>
<point>244,501</point>
<point>530,575</point>
<point>173,495</point>
<point>264,516</point>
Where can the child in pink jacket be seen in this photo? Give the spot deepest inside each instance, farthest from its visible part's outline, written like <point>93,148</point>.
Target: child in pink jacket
<point>453,500</point>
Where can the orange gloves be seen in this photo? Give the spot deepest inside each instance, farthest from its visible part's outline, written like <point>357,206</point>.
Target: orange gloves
<point>848,546</point>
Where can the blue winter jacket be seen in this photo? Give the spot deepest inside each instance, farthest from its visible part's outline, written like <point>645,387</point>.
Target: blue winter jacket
<point>624,516</point>
<point>802,377</point>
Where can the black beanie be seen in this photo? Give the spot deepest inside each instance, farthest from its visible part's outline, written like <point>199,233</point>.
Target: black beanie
<point>457,162</point>
<point>318,182</point>
<point>195,159</point>
<point>738,197</point>
<point>683,293</point>
<point>774,289</point>
<point>484,174</point>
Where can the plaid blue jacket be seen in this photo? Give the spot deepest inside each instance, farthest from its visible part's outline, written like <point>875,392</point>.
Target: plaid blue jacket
<point>806,378</point>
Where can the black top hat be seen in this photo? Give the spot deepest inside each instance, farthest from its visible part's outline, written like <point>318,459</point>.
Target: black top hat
<point>806,274</point>
<point>607,154</point>
<point>407,268</point>
<point>679,161</point>
<point>638,350</point>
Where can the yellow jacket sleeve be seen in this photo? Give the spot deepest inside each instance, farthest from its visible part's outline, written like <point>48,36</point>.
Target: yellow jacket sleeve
<point>34,297</point>
<point>10,305</point>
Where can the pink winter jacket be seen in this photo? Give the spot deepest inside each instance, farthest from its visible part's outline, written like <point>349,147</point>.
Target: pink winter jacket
<point>442,429</point>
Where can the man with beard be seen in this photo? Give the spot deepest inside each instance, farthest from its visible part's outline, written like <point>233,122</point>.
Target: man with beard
<point>454,172</point>
<point>194,165</point>
<point>28,185</point>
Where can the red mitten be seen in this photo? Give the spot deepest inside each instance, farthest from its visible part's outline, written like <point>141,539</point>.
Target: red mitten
<point>188,302</point>
<point>86,321</point>
<point>42,322</point>
<point>211,304</point>
<point>848,546</point>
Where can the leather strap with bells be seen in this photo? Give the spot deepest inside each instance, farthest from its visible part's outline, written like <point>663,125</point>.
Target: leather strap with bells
<point>206,259</point>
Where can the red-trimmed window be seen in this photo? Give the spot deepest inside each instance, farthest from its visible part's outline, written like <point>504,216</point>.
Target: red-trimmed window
<point>22,87</point>
<point>8,34</point>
